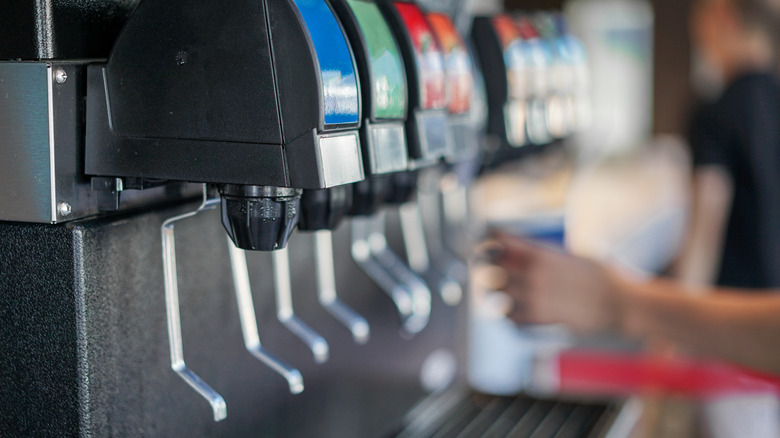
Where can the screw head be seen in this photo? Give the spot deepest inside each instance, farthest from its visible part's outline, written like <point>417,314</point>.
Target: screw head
<point>64,208</point>
<point>60,76</point>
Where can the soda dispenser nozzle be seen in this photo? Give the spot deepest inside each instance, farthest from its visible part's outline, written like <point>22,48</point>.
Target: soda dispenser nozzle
<point>259,217</point>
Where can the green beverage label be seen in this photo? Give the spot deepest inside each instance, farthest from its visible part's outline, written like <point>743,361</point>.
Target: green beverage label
<point>389,87</point>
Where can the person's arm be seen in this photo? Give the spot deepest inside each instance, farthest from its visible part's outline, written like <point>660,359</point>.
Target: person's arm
<point>733,325</point>
<point>554,287</point>
<point>699,259</point>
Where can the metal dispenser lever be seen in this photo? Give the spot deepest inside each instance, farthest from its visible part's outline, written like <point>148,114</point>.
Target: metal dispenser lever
<point>421,294</point>
<point>446,269</point>
<point>285,312</point>
<point>172,309</point>
<point>326,288</point>
<point>246,312</point>
<point>455,207</point>
<point>361,253</point>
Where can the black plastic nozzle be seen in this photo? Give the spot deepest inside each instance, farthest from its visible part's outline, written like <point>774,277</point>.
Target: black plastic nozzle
<point>403,187</point>
<point>369,195</point>
<point>324,209</point>
<point>259,218</point>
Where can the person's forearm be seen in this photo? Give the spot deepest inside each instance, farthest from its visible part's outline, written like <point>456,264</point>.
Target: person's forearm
<point>736,327</point>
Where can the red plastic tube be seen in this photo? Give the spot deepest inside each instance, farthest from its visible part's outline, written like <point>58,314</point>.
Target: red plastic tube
<point>617,373</point>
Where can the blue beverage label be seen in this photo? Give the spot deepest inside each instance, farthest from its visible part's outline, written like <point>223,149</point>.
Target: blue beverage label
<point>339,80</point>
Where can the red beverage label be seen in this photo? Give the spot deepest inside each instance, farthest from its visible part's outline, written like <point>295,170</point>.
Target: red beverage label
<point>430,65</point>
<point>457,62</point>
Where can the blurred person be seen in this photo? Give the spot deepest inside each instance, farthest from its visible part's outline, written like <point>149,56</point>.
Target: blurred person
<point>734,233</point>
<point>734,230</point>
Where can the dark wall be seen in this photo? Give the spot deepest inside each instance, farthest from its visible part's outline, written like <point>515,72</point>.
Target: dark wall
<point>672,92</point>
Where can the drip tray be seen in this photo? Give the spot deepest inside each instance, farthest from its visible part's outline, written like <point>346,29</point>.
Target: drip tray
<point>464,414</point>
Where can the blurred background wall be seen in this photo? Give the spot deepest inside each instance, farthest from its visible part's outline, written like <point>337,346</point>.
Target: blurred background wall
<point>671,54</point>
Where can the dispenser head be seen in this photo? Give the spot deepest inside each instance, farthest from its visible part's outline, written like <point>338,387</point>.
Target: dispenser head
<point>504,61</point>
<point>388,92</point>
<point>384,91</point>
<point>432,78</point>
<point>246,92</point>
<point>461,86</point>
<point>258,217</point>
<point>428,136</point>
<point>515,57</point>
<point>457,63</point>
<point>337,72</point>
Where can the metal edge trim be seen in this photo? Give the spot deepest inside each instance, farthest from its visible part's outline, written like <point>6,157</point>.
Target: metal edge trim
<point>52,168</point>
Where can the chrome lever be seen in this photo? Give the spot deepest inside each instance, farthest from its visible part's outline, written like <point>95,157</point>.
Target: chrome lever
<point>421,294</point>
<point>455,209</point>
<point>361,254</point>
<point>285,312</point>
<point>447,270</point>
<point>450,212</point>
<point>246,312</point>
<point>173,315</point>
<point>326,288</point>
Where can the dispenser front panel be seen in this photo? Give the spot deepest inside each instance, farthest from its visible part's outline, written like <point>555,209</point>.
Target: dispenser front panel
<point>389,80</point>
<point>514,56</point>
<point>457,63</point>
<point>339,80</point>
<point>433,86</point>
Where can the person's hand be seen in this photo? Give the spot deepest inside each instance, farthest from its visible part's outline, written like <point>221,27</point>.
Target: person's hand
<point>553,287</point>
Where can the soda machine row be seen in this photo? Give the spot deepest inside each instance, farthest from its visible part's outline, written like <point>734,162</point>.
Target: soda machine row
<point>288,114</point>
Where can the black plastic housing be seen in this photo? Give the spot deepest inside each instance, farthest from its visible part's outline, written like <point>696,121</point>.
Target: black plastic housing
<point>225,92</point>
<point>49,29</point>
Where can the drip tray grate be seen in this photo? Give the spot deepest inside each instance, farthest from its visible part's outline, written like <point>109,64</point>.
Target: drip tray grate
<point>459,413</point>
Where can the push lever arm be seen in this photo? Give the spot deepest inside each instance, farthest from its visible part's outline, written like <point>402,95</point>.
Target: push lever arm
<point>326,288</point>
<point>246,312</point>
<point>361,253</point>
<point>285,312</point>
<point>421,294</point>
<point>173,315</point>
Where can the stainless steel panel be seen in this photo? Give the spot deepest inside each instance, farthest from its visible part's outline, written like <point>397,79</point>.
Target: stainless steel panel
<point>25,167</point>
<point>340,159</point>
<point>435,139</point>
<point>42,147</point>
<point>387,143</point>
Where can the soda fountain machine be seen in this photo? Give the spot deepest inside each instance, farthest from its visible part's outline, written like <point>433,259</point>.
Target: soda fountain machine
<point>131,128</point>
<point>246,106</point>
